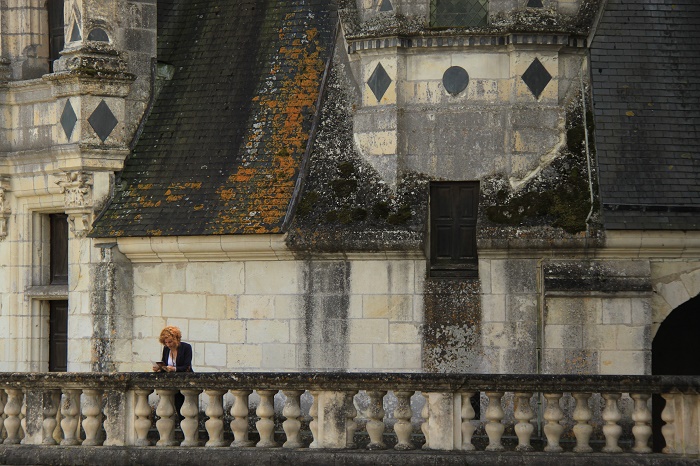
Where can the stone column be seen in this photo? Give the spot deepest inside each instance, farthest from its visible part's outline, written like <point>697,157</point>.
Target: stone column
<point>332,419</point>
<point>445,426</point>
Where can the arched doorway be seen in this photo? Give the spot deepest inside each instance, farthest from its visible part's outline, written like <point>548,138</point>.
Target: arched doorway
<point>674,351</point>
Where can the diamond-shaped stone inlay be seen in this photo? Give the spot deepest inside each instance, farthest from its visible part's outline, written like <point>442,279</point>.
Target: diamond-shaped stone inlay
<point>534,4</point>
<point>379,82</point>
<point>455,79</point>
<point>68,119</point>
<point>536,77</point>
<point>103,121</point>
<point>386,6</point>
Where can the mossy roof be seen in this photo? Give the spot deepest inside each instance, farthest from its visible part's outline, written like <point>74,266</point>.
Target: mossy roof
<point>222,149</point>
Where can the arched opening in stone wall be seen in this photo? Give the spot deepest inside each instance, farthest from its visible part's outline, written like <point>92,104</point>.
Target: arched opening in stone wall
<point>674,351</point>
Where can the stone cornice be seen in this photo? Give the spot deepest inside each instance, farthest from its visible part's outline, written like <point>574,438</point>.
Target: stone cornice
<point>616,244</point>
<point>230,248</point>
<point>465,40</point>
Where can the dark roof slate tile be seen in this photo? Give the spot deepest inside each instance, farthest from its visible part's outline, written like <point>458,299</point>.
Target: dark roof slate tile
<point>645,67</point>
<point>222,149</point>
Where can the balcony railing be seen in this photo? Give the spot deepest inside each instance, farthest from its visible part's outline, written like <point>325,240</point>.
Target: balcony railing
<point>555,413</point>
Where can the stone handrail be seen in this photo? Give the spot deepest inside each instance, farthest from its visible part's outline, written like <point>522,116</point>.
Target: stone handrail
<point>93,409</point>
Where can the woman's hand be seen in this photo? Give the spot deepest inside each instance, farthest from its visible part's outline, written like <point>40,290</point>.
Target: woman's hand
<point>156,368</point>
<point>170,368</point>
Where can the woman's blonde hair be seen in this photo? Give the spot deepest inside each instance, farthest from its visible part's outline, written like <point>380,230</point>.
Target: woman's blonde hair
<point>172,332</point>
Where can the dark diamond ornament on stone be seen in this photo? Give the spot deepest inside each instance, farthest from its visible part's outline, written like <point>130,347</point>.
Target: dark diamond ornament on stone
<point>386,6</point>
<point>379,82</point>
<point>103,121</point>
<point>534,4</point>
<point>455,79</point>
<point>536,77</point>
<point>68,119</point>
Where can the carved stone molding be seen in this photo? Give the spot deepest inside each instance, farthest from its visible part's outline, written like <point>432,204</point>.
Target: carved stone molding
<point>77,189</point>
<point>4,206</point>
<point>79,223</point>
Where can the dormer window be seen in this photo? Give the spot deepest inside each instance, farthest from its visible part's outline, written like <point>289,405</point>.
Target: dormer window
<point>459,13</point>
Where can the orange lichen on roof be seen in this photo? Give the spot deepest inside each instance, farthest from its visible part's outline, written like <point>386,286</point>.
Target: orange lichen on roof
<point>280,130</point>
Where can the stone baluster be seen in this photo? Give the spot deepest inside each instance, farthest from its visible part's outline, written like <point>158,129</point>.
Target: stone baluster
<point>166,425</point>
<point>13,408</point>
<point>52,400</point>
<point>524,414</point>
<point>552,429</point>
<point>611,415</point>
<point>92,409</point>
<point>70,410</point>
<point>403,427</point>
<point>265,425</point>
<point>467,426</point>
<point>23,419</point>
<point>292,423</point>
<point>239,424</point>
<point>494,428</point>
<point>668,430</point>
<point>142,412</point>
<point>642,419</point>
<point>582,429</point>
<point>313,413</point>
<point>3,400</point>
<point>215,423</point>
<point>350,415</point>
<point>114,420</point>
<point>375,424</point>
<point>425,426</point>
<point>190,423</point>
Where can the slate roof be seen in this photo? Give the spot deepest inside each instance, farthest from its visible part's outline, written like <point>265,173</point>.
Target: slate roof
<point>645,67</point>
<point>222,149</point>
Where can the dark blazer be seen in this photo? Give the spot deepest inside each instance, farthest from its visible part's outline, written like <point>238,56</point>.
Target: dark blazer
<point>183,362</point>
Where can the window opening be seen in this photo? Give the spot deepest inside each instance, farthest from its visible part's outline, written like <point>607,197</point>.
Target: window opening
<point>58,336</point>
<point>453,215</point>
<point>56,33</point>
<point>59,249</point>
<point>459,13</point>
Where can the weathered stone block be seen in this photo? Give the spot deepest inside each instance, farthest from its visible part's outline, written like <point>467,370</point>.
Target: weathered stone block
<point>157,279</point>
<point>279,357</point>
<point>232,331</point>
<point>256,307</point>
<point>204,330</point>
<point>184,305</point>
<point>272,277</point>
<point>397,356</point>
<point>392,307</point>
<point>404,333</point>
<point>368,331</point>
<point>625,362</point>
<point>267,331</point>
<point>214,354</point>
<point>214,277</point>
<point>493,308</point>
<point>244,356</point>
<point>617,311</point>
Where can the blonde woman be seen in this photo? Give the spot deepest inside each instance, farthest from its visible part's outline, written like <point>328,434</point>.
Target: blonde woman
<point>177,355</point>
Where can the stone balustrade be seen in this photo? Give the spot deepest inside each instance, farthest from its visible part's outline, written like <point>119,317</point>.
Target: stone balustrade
<point>564,411</point>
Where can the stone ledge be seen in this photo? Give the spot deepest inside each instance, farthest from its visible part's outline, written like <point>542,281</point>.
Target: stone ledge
<point>183,456</point>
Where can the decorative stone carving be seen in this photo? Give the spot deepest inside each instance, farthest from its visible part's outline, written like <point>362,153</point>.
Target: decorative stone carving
<point>4,206</point>
<point>77,187</point>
